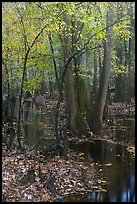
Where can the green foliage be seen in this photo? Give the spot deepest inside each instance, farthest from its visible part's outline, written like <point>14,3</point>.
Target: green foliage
<point>22,21</point>
<point>120,70</point>
<point>121,30</point>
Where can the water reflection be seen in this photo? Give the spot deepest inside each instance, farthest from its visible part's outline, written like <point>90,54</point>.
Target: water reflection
<point>120,173</point>
<point>36,127</point>
<point>123,130</point>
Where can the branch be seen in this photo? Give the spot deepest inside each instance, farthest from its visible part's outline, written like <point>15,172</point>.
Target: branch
<point>37,36</point>
<point>21,18</point>
<point>93,48</point>
<point>45,55</point>
<point>39,5</point>
<point>84,47</point>
<point>103,30</point>
<point>82,26</point>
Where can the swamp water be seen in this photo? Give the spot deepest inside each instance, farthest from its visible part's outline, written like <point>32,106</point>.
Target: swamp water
<point>111,161</point>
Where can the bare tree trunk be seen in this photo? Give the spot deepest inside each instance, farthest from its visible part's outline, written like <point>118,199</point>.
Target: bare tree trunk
<point>7,76</point>
<point>54,62</point>
<point>120,79</point>
<point>75,119</point>
<point>96,118</point>
<point>95,76</point>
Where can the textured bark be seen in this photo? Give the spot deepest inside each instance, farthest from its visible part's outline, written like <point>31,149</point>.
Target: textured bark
<point>131,47</point>
<point>95,75</point>
<point>120,80</point>
<point>95,122</point>
<point>75,119</point>
<point>7,77</point>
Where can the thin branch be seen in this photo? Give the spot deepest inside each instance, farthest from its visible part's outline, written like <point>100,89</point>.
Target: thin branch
<point>84,47</point>
<point>103,30</point>
<point>21,18</point>
<point>82,26</point>
<point>37,36</point>
<point>93,48</point>
<point>38,5</point>
<point>45,55</point>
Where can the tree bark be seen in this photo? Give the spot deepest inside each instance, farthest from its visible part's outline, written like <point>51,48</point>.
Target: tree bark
<point>75,119</point>
<point>95,122</point>
<point>95,76</point>
<point>120,79</point>
<point>54,62</point>
<point>7,76</point>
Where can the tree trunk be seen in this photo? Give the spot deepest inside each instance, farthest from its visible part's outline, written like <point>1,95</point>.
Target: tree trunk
<point>95,76</point>
<point>120,78</point>
<point>70,98</point>
<point>130,48</point>
<point>75,118</point>
<point>7,78</point>
<point>54,62</point>
<point>96,118</point>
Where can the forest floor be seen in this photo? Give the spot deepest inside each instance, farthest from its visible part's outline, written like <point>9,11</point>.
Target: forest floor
<point>28,177</point>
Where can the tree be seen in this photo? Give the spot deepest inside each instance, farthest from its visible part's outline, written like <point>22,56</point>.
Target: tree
<point>62,44</point>
<point>75,119</point>
<point>95,121</point>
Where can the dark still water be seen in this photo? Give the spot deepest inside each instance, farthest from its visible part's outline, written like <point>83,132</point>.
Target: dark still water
<point>112,162</point>
<point>37,128</point>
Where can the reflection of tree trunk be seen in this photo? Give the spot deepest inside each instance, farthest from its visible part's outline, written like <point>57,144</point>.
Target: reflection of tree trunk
<point>58,138</point>
<point>25,114</point>
<point>106,197</point>
<point>119,196</point>
<point>132,195</point>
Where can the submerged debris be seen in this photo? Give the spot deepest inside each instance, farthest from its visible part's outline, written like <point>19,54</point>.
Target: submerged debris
<point>35,176</point>
<point>22,181</point>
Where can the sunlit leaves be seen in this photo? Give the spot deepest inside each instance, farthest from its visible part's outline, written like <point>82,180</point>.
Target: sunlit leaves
<point>22,21</point>
<point>121,30</point>
<point>121,69</point>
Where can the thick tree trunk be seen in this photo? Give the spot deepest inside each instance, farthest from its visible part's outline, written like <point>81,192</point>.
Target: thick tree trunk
<point>96,118</point>
<point>75,119</point>
<point>70,98</point>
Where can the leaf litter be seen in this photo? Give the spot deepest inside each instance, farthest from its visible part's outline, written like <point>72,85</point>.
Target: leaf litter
<point>25,179</point>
